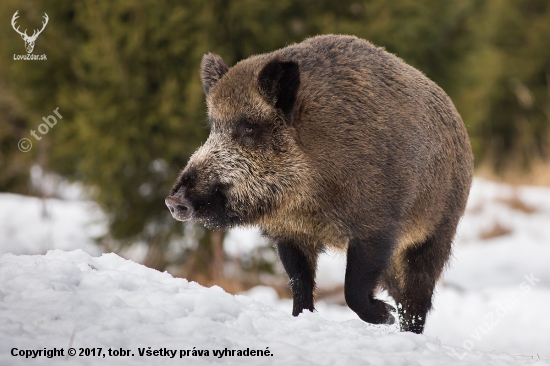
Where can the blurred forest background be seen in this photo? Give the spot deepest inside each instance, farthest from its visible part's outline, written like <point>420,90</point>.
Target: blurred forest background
<point>125,76</point>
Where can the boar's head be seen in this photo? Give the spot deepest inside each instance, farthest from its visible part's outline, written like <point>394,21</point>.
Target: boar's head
<point>251,165</point>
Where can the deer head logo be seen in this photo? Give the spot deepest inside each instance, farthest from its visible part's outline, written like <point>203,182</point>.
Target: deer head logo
<point>29,40</point>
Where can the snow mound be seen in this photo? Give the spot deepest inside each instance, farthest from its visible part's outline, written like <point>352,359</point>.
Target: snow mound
<point>70,299</point>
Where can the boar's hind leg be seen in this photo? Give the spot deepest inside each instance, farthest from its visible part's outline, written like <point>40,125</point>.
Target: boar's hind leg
<point>300,263</point>
<point>421,267</point>
<point>366,261</point>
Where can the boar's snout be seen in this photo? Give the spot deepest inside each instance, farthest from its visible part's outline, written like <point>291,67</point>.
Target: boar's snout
<point>180,208</point>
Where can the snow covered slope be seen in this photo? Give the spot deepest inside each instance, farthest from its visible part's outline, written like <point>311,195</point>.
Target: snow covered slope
<point>70,299</point>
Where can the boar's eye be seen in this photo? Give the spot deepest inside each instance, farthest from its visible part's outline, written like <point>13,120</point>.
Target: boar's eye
<point>246,129</point>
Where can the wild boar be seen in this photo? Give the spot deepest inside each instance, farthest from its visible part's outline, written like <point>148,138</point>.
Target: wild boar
<point>334,143</point>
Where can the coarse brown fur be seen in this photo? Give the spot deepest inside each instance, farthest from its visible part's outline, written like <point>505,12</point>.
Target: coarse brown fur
<point>334,142</point>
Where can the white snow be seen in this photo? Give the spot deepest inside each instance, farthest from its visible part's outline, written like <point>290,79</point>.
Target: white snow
<point>240,241</point>
<point>492,299</point>
<point>112,303</point>
<point>31,225</point>
<point>486,275</point>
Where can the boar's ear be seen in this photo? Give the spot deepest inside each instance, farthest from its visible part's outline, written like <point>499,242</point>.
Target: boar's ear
<point>278,82</point>
<point>212,70</point>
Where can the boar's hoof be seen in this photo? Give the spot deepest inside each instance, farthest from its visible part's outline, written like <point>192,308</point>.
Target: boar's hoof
<point>377,312</point>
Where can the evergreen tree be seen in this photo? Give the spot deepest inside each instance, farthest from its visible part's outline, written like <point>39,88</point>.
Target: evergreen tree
<point>505,91</point>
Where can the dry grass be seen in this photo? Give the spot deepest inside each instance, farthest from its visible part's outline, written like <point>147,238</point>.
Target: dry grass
<point>333,296</point>
<point>537,175</point>
<point>494,232</point>
<point>515,203</point>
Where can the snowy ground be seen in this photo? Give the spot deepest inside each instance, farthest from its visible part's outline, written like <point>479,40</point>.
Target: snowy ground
<point>484,303</point>
<point>72,300</point>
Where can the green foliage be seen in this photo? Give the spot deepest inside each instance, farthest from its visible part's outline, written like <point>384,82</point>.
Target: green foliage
<point>505,92</point>
<point>14,165</point>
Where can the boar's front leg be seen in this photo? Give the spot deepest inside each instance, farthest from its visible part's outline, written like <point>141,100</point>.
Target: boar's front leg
<point>300,263</point>
<point>366,261</point>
